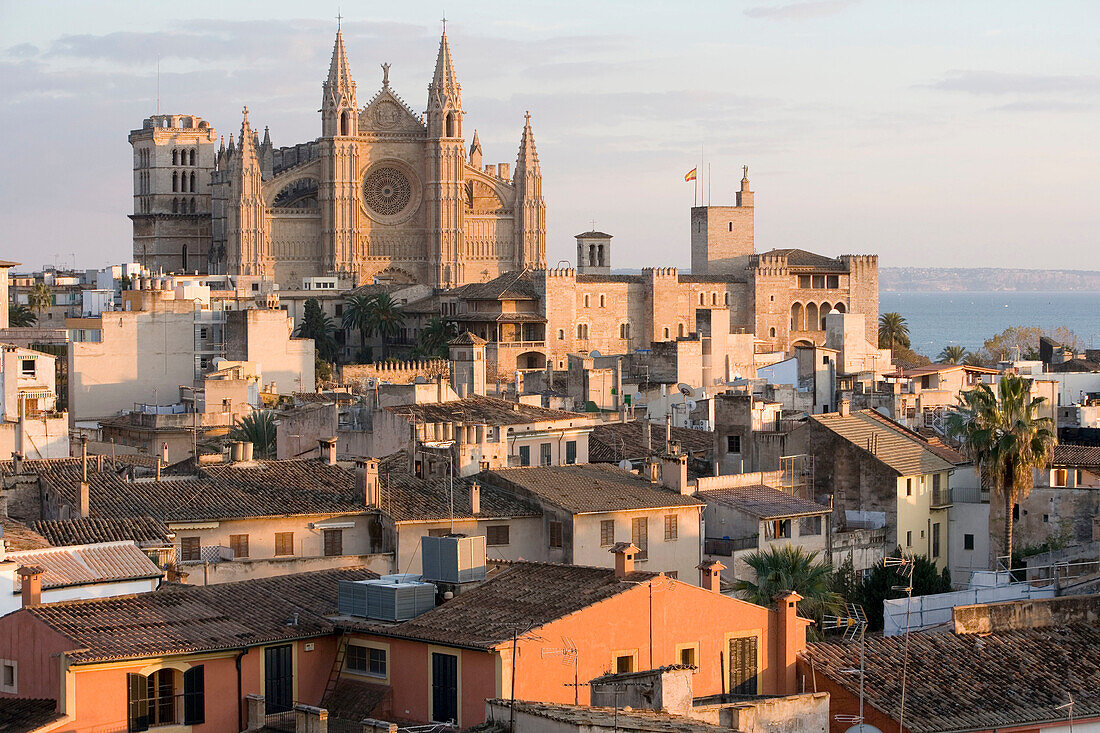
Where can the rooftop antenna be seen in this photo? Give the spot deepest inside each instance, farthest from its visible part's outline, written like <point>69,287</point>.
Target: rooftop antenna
<point>854,624</point>
<point>907,565</point>
<point>158,84</point>
<point>1069,707</point>
<point>569,655</point>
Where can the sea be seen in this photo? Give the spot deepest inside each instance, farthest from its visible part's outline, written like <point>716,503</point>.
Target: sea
<point>937,320</point>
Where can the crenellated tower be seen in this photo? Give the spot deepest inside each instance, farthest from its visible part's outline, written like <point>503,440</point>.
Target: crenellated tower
<point>338,191</point>
<point>447,158</point>
<point>530,212</point>
<point>249,252</point>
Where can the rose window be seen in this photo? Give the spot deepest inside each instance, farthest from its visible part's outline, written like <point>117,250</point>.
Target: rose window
<point>387,191</point>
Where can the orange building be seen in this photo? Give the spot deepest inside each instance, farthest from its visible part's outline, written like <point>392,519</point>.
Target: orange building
<point>572,624</point>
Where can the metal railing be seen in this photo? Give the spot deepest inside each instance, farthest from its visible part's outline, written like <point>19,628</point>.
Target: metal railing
<point>941,497</point>
<point>206,553</point>
<point>968,495</point>
<point>283,721</point>
<point>725,546</point>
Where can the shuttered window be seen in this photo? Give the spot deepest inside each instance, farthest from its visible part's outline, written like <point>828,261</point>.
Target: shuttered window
<point>284,543</point>
<point>239,544</point>
<point>639,535</point>
<point>555,534</point>
<point>743,665</point>
<point>334,542</point>
<point>189,549</point>
<point>672,529</point>
<point>607,532</point>
<point>496,535</point>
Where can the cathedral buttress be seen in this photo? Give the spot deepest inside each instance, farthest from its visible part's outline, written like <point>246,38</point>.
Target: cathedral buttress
<point>445,187</point>
<point>338,190</point>
<point>530,211</point>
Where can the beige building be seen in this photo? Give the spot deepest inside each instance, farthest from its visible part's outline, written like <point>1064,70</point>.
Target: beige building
<point>30,423</point>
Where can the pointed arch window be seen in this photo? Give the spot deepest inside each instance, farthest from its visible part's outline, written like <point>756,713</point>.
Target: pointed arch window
<point>726,299</point>
<point>450,125</point>
<point>175,206</point>
<point>680,331</point>
<point>702,298</point>
<point>175,182</point>
<point>192,157</point>
<point>192,204</point>
<point>666,333</point>
<point>344,123</point>
<point>192,183</point>
<point>175,157</point>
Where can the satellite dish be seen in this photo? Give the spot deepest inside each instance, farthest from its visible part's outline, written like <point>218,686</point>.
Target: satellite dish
<point>625,465</point>
<point>691,405</point>
<point>593,353</point>
<point>685,389</point>
<point>863,728</point>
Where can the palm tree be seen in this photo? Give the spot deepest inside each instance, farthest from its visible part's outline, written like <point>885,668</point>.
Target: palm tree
<point>257,428</point>
<point>436,335</point>
<point>357,311</point>
<point>40,298</point>
<point>790,568</point>
<point>319,327</point>
<point>386,318</point>
<point>974,358</point>
<point>893,331</point>
<point>953,354</point>
<point>20,316</point>
<point>1006,438</point>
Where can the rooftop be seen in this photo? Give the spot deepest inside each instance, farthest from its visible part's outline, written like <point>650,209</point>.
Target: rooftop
<point>589,488</point>
<point>763,501</point>
<point>524,595</point>
<point>85,531</point>
<point>486,411</point>
<point>897,448</point>
<point>25,714</point>
<point>512,285</point>
<point>612,442</point>
<point>657,721</point>
<point>800,259</point>
<point>107,562</point>
<point>182,619</point>
<point>940,368</point>
<point>18,536</point>
<point>1086,456</point>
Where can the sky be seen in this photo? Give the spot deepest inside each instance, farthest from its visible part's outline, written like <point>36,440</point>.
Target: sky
<point>933,133</point>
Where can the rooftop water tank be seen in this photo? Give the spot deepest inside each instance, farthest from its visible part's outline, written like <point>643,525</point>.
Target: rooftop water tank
<point>453,559</point>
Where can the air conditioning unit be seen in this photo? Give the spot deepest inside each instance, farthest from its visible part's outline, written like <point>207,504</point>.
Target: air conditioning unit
<point>453,559</point>
<point>389,598</point>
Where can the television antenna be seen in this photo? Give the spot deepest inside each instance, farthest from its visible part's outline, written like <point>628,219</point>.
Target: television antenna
<point>569,656</point>
<point>905,566</point>
<point>854,624</point>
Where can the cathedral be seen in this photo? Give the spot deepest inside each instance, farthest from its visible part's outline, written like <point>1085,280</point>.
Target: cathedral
<point>384,194</point>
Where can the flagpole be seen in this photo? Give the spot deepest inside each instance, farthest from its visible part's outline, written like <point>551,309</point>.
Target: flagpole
<point>695,180</point>
<point>708,184</point>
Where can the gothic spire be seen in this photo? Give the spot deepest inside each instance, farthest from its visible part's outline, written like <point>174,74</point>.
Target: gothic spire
<point>339,88</point>
<point>528,157</point>
<point>475,152</point>
<point>445,84</point>
<point>248,137</point>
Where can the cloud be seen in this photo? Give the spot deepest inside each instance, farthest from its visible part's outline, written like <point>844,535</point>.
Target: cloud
<point>1047,105</point>
<point>999,82</point>
<point>800,11</point>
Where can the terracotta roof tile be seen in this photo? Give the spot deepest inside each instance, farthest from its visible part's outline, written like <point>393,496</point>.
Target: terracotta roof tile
<point>897,448</point>
<point>584,717</point>
<point>486,411</point>
<point>763,502</point>
<point>180,619</point>
<point>142,530</point>
<point>1076,455</point>
<point>612,442</point>
<point>588,488</point>
<point>18,536</point>
<point>25,714</point>
<point>84,564</point>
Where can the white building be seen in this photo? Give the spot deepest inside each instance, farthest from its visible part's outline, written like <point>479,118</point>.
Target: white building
<point>30,422</point>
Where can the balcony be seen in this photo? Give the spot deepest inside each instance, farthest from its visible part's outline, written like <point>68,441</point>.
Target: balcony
<point>205,553</point>
<point>941,498</point>
<point>725,547</point>
<point>969,495</point>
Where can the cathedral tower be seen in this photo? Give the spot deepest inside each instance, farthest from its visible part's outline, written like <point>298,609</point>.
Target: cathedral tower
<point>249,251</point>
<point>447,159</point>
<point>338,190</point>
<point>530,212</point>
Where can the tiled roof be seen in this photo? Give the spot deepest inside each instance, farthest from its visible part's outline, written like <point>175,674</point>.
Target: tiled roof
<point>593,233</point>
<point>612,442</point>
<point>180,619</point>
<point>353,699</point>
<point>48,465</point>
<point>896,448</point>
<point>485,317</point>
<point>1076,365</point>
<point>763,502</point>
<point>934,444</point>
<point>485,410</point>
<point>514,285</point>
<point>941,368</point>
<point>1066,454</point>
<point>18,536</point>
<point>801,259</point>
<point>583,717</point>
<point>467,339</point>
<point>108,562</point>
<point>524,595</point>
<point>142,530</point>
<point>974,682</point>
<point>26,714</point>
<point>588,488</point>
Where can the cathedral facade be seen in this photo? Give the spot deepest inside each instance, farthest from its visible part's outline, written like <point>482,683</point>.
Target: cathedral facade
<point>383,194</point>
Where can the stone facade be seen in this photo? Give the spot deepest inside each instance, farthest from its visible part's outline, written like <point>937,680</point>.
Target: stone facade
<point>382,193</point>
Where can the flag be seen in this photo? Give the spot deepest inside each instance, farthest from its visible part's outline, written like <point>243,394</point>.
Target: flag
<point>691,174</point>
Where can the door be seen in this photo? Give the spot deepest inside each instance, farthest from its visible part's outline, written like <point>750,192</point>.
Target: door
<point>444,688</point>
<point>278,678</point>
<point>743,666</point>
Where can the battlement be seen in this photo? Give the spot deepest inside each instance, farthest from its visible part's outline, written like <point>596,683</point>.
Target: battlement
<point>176,122</point>
<point>860,260</point>
<point>770,265</point>
<point>397,372</point>
<point>563,272</point>
<point>661,272</point>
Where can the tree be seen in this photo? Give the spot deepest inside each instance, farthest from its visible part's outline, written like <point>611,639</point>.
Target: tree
<point>790,568</point>
<point>436,335</point>
<point>1006,438</point>
<point>20,316</point>
<point>974,358</point>
<point>40,298</point>
<point>357,315</point>
<point>1014,342</point>
<point>386,318</point>
<point>953,354</point>
<point>882,583</point>
<point>893,331</point>
<point>257,428</point>
<point>319,327</point>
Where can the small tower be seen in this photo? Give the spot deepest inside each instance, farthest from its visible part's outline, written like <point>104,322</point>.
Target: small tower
<point>594,253</point>
<point>530,208</point>
<point>339,191</point>
<point>468,365</point>
<point>339,110</point>
<point>723,238</point>
<point>249,251</point>
<point>475,153</point>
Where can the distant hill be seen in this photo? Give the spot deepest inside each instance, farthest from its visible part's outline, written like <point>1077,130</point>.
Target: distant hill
<point>947,279</point>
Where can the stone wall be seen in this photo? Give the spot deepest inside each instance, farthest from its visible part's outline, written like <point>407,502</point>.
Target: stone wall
<point>394,372</point>
<point>988,618</point>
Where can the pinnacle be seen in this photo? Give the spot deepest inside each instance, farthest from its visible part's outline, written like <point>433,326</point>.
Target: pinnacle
<point>339,87</point>
<point>528,155</point>
<point>476,142</point>
<point>444,81</point>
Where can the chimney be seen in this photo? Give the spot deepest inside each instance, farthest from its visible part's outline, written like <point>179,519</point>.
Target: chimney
<point>164,452</point>
<point>475,498</point>
<point>84,504</point>
<point>792,640</point>
<point>246,451</point>
<point>158,468</point>
<point>710,575</point>
<point>366,481</point>
<point>84,458</point>
<point>235,451</point>
<point>31,576</point>
<point>328,450</point>
<point>844,407</point>
<point>674,472</point>
<point>624,558</point>
<point>17,462</point>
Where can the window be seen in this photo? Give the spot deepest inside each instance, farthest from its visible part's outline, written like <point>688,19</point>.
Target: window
<point>639,535</point>
<point>525,455</point>
<point>624,663</point>
<point>334,542</point>
<point>733,444</point>
<point>687,656</point>
<point>152,701</point>
<point>192,158</point>
<point>771,332</point>
<point>936,539</point>
<point>9,682</point>
<point>832,282</point>
<point>239,544</point>
<point>909,538</point>
<point>908,487</point>
<point>586,297</point>
<point>935,482</point>
<point>544,454</point>
<point>570,452</point>
<point>1059,475</point>
<point>555,535</point>
<point>809,526</point>
<point>968,542</point>
<point>366,660</point>
<point>561,334</point>
<point>777,529</point>
<point>602,301</point>
<point>1046,518</point>
<point>284,543</point>
<point>804,281</point>
<point>189,549</point>
<point>743,665</point>
<point>680,331</point>
<point>26,368</point>
<point>607,532</point>
<point>672,530</point>
<point>496,535</point>
<point>726,299</point>
<point>175,157</point>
